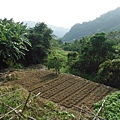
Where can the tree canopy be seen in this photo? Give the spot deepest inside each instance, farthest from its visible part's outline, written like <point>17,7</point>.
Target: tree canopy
<point>13,42</point>
<point>21,45</point>
<point>98,59</point>
<point>40,37</point>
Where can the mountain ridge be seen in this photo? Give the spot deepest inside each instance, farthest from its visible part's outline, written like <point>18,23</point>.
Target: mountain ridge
<point>106,22</point>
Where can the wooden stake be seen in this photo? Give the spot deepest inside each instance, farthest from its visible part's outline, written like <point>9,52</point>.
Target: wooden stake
<point>26,102</point>
<point>99,110</point>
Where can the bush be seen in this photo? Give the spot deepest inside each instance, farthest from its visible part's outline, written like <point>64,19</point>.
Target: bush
<point>111,109</point>
<point>109,73</point>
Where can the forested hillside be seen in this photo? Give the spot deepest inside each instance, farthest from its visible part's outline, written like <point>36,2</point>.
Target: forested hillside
<point>106,22</point>
<point>98,58</point>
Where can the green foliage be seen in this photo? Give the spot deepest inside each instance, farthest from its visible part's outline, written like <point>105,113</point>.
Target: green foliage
<point>111,109</point>
<point>16,42</point>
<point>44,112</point>
<point>39,37</point>
<point>109,73</point>
<point>54,62</point>
<point>9,97</point>
<point>57,59</point>
<point>56,55</point>
<point>55,43</point>
<point>117,50</point>
<point>114,36</point>
<point>13,42</point>
<point>72,57</point>
<point>93,51</point>
<point>51,112</point>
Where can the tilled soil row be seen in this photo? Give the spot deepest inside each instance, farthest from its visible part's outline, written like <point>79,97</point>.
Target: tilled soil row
<point>38,87</point>
<point>51,84</point>
<point>58,88</point>
<point>68,91</point>
<point>65,89</point>
<point>79,95</point>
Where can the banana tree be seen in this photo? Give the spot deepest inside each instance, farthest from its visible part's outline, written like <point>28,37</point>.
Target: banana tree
<point>13,41</point>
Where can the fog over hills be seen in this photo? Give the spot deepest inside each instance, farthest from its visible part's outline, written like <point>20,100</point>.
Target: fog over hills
<point>57,31</point>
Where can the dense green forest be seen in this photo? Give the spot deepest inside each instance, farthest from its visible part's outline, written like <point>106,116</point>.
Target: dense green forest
<point>98,58</point>
<point>106,22</point>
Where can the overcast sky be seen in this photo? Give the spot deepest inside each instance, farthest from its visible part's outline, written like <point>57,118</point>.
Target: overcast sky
<point>61,13</point>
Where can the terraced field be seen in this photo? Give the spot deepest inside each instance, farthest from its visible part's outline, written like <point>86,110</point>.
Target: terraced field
<point>64,89</point>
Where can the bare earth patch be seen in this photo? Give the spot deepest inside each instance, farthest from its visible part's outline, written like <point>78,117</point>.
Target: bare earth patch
<point>64,89</point>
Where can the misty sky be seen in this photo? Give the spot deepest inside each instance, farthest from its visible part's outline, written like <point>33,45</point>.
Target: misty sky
<point>61,13</point>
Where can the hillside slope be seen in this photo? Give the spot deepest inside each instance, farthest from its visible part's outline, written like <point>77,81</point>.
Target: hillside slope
<point>105,23</point>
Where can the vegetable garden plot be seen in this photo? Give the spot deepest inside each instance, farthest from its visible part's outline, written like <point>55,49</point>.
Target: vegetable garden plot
<point>67,90</point>
<point>79,95</point>
<point>94,96</point>
<point>49,85</point>
<point>58,88</point>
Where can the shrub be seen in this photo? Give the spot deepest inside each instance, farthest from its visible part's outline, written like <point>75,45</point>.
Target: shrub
<point>111,109</point>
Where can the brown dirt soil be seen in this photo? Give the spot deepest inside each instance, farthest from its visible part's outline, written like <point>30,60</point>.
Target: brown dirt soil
<point>64,89</point>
